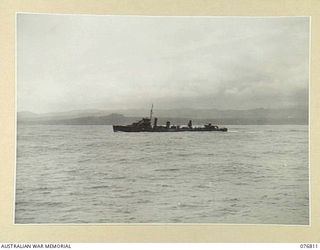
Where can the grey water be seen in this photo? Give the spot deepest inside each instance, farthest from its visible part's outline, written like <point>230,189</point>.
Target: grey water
<point>88,174</point>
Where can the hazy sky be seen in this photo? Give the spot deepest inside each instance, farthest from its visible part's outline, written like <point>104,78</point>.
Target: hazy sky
<point>68,62</point>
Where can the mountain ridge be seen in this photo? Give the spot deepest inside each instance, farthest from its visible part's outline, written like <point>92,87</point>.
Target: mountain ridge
<point>297,115</point>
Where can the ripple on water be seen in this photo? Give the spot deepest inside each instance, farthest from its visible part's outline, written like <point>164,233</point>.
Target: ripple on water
<point>252,174</point>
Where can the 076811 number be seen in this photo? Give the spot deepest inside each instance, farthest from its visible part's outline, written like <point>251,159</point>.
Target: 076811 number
<point>308,245</point>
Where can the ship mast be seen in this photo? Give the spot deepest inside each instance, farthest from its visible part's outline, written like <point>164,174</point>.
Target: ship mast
<point>151,111</point>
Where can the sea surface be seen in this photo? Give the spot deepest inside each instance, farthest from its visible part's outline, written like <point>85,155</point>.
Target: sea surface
<point>88,174</point>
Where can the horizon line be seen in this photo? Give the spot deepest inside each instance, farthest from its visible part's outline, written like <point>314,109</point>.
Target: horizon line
<point>162,109</point>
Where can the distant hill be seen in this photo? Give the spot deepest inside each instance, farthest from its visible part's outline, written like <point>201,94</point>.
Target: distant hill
<point>298,115</point>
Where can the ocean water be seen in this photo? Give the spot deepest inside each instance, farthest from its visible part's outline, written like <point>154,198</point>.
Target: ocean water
<point>88,174</point>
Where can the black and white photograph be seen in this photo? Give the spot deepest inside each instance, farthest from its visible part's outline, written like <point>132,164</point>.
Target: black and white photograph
<point>162,119</point>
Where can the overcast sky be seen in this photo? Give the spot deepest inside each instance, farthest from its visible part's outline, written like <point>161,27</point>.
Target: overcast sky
<point>72,62</point>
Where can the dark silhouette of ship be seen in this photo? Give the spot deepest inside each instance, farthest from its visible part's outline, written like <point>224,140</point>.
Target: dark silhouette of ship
<point>144,125</point>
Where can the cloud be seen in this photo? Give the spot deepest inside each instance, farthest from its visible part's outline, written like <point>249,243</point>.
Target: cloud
<point>78,62</point>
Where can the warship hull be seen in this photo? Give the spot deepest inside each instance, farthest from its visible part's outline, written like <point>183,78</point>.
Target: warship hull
<point>119,128</point>
<point>144,125</point>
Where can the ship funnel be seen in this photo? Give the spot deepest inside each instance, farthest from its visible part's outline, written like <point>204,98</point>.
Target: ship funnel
<point>155,122</point>
<point>168,124</point>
